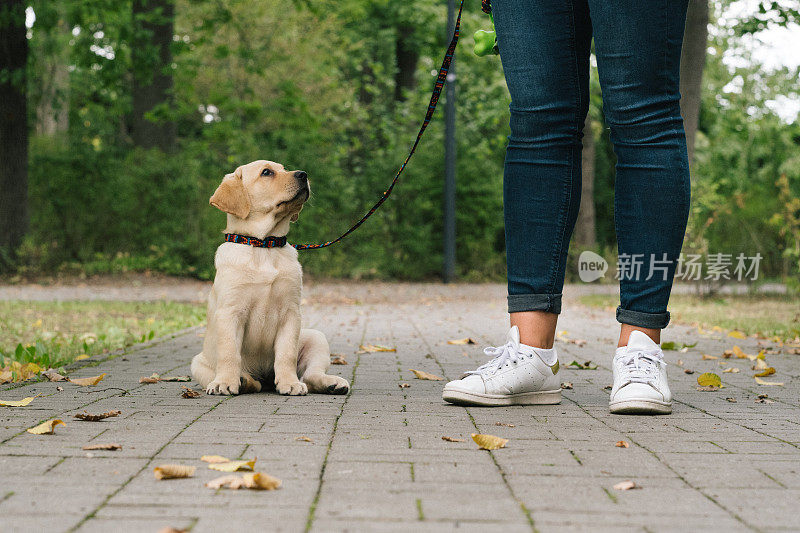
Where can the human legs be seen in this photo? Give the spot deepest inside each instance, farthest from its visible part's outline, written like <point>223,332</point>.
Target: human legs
<point>544,47</point>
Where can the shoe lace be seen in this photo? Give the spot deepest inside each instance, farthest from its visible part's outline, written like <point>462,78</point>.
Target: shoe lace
<point>641,366</point>
<point>500,355</point>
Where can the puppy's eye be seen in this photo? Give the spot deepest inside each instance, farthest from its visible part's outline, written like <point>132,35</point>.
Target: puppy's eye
<point>267,172</point>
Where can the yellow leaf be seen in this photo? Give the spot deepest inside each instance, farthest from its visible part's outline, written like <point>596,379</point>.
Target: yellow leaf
<point>465,340</point>
<point>371,348</point>
<point>736,334</point>
<point>764,382</point>
<point>424,375</point>
<point>261,481</point>
<point>622,444</point>
<point>85,382</point>
<point>761,355</point>
<point>766,372</point>
<point>37,323</point>
<point>213,459</point>
<point>233,466</point>
<point>707,357</point>
<point>709,379</point>
<point>717,328</point>
<point>17,403</point>
<point>31,368</point>
<point>46,428</point>
<point>173,471</point>
<point>489,442</point>
<point>739,353</point>
<point>81,357</point>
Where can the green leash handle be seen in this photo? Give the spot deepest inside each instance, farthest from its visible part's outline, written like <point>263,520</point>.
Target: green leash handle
<point>485,41</point>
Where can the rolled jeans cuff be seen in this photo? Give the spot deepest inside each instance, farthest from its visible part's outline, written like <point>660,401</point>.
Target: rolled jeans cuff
<point>549,303</point>
<point>642,320</point>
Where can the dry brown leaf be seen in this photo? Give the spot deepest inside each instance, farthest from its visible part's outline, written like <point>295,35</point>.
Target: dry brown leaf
<point>154,378</point>
<point>214,459</point>
<point>727,354</point>
<point>46,428</point>
<point>303,438</point>
<point>261,481</point>
<point>739,353</point>
<point>177,378</point>
<point>338,360</point>
<point>170,529</point>
<point>52,375</point>
<point>424,375</point>
<point>707,388</point>
<point>763,398</point>
<point>731,400</point>
<point>233,466</point>
<point>86,417</point>
<point>404,385</point>
<point>621,444</point>
<point>108,446</point>
<point>566,385</point>
<point>765,382</point>
<point>173,471</point>
<point>489,442</point>
<point>506,424</point>
<point>688,371</point>
<point>87,382</point>
<point>465,340</point>
<point>190,393</point>
<point>372,348</point>
<point>18,403</point>
<point>626,485</point>
<point>451,439</point>
<point>707,357</point>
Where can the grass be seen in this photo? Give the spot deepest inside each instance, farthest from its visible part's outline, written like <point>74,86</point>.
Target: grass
<point>53,334</point>
<point>768,316</point>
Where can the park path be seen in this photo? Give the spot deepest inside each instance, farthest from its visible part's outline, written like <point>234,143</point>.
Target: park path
<point>377,461</point>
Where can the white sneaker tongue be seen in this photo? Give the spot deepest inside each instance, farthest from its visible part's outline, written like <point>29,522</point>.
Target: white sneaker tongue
<point>640,341</point>
<point>513,337</point>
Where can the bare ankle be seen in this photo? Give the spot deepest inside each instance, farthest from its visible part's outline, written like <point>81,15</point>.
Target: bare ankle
<point>536,328</point>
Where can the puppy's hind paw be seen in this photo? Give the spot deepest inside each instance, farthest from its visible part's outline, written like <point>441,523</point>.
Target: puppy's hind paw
<point>341,386</point>
<point>292,389</point>
<point>223,386</point>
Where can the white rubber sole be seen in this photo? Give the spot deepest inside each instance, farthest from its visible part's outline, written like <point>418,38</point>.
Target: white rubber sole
<point>550,397</point>
<point>640,407</point>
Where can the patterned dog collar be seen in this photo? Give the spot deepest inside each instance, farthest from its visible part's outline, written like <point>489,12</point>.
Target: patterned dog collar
<point>269,242</point>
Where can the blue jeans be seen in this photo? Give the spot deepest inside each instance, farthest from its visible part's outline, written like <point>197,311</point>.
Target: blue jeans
<point>544,46</point>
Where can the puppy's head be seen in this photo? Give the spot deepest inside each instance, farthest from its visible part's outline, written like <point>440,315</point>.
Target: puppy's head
<point>260,188</point>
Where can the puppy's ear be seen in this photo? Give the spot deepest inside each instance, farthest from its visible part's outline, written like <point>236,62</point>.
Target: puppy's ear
<point>231,196</point>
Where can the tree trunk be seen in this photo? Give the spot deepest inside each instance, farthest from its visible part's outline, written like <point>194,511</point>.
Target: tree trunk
<point>693,61</point>
<point>13,125</point>
<point>585,231</point>
<point>152,75</point>
<point>407,57</point>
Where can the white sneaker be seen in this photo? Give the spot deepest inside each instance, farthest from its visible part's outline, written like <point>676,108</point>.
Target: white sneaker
<point>640,378</point>
<point>516,375</point>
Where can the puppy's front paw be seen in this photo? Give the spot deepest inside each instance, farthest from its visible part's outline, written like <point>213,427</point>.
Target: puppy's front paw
<point>223,386</point>
<point>292,389</point>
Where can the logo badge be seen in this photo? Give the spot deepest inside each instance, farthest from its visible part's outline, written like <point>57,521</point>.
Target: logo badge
<point>591,266</point>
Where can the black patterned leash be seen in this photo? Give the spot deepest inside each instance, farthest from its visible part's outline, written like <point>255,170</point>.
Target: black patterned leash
<point>437,90</point>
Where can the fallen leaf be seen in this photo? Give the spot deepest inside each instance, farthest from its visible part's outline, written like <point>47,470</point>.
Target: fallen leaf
<point>585,366</point>
<point>707,357</point>
<point>17,403</point>
<point>261,481</point>
<point>506,424</point>
<point>566,385</point>
<point>738,353</point>
<point>372,348</point>
<point>303,438</point>
<point>731,400</point>
<point>764,382</point>
<point>338,360</point>
<point>489,442</point>
<point>109,446</point>
<point>177,378</point>
<point>732,370</point>
<point>154,378</point>
<point>626,485</point>
<point>451,439</point>
<point>465,340</point>
<point>170,529</point>
<point>708,388</point>
<point>190,393</point>
<point>424,375</point>
<point>688,371</point>
<point>52,375</point>
<point>404,385</point>
<point>621,444</point>
<point>86,382</point>
<point>96,418</point>
<point>761,364</point>
<point>81,357</point>
<point>610,387</point>
<point>46,428</point>
<point>680,362</point>
<point>709,379</point>
<point>766,372</point>
<point>229,482</point>
<point>763,398</point>
<point>213,459</point>
<point>736,334</point>
<point>727,354</point>
<point>173,471</point>
<point>670,345</point>
<point>233,466</point>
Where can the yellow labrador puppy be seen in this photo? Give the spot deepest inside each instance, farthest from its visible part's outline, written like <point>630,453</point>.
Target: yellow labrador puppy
<point>254,334</point>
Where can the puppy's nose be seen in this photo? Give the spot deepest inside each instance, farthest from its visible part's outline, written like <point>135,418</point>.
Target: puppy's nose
<point>301,176</point>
